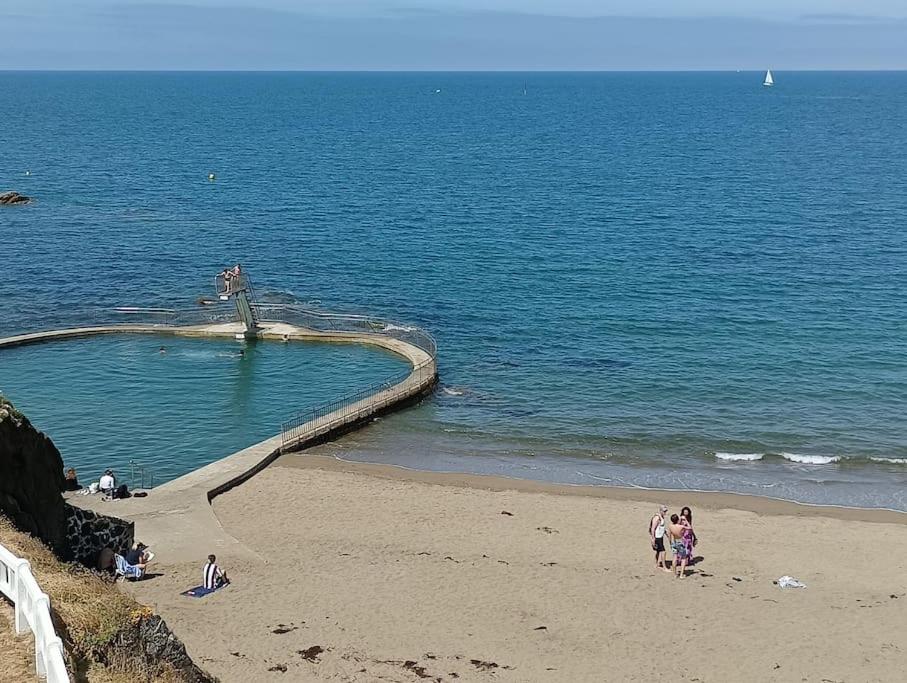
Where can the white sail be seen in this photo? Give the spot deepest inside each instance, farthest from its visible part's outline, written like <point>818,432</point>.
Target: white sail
<point>769,81</point>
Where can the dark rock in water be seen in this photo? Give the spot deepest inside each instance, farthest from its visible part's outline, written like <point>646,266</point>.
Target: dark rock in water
<point>13,198</point>
<point>31,479</point>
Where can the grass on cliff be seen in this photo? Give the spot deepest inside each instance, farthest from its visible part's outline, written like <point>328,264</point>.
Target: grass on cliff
<point>17,659</point>
<point>88,612</point>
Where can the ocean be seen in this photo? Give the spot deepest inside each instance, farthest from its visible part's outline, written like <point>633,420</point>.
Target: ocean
<point>679,280</point>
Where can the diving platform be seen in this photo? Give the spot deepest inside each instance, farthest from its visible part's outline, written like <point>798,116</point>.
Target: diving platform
<point>234,283</point>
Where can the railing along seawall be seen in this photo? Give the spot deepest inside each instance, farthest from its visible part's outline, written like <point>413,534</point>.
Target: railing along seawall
<point>32,608</point>
<point>325,417</point>
<point>165,318</point>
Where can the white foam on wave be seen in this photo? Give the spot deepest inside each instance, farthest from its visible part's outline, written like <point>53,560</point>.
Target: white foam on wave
<point>811,459</point>
<point>738,456</point>
<point>893,461</point>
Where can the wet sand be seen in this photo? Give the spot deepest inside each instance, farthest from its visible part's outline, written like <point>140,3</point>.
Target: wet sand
<point>370,572</point>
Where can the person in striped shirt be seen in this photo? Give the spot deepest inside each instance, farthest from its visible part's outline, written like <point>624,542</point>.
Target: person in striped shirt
<point>214,578</point>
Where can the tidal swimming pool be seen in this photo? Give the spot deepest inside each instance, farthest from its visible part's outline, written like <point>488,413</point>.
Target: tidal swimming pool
<point>109,400</point>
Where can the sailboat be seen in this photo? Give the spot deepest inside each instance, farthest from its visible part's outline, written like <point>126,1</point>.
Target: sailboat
<point>769,81</point>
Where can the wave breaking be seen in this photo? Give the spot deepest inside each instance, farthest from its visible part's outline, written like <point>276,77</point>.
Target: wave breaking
<point>748,457</point>
<point>811,459</point>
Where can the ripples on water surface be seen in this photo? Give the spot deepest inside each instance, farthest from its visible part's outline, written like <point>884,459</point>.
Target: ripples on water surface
<point>627,273</point>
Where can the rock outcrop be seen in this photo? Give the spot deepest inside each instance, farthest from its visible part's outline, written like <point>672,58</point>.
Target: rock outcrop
<point>13,198</point>
<point>149,645</point>
<point>31,480</point>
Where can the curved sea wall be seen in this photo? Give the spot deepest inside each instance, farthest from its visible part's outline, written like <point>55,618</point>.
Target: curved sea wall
<point>178,514</point>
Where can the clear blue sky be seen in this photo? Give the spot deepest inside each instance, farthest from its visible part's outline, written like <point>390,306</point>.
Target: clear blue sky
<point>453,34</point>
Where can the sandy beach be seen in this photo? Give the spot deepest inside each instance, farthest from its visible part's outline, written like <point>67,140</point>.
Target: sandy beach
<point>368,573</point>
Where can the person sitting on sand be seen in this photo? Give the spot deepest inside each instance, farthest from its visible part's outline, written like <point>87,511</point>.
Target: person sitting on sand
<point>72,482</point>
<point>657,534</point>
<point>214,578</point>
<point>680,531</point>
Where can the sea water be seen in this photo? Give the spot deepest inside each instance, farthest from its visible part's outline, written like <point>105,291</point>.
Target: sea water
<point>664,279</point>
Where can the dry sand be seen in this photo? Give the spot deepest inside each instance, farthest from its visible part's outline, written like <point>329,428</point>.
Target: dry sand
<point>404,576</point>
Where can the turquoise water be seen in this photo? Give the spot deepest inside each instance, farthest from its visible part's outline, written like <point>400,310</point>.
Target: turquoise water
<point>109,400</point>
<point>627,273</point>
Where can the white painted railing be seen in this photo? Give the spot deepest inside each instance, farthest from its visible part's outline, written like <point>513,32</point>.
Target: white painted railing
<point>33,613</point>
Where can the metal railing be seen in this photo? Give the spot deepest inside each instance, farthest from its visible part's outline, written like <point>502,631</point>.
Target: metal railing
<point>145,478</point>
<point>228,282</point>
<point>32,608</point>
<point>340,322</point>
<point>219,312</point>
<point>324,417</point>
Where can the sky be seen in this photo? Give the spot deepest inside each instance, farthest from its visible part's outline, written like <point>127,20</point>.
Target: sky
<point>453,34</point>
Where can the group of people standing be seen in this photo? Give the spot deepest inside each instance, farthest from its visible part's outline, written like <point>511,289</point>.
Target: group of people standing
<point>232,279</point>
<point>682,539</point>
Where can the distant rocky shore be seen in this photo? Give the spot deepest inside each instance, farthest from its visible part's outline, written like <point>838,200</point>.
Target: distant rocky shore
<point>14,198</point>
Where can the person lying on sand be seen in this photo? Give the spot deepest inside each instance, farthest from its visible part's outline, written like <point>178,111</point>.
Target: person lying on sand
<point>657,536</point>
<point>681,534</point>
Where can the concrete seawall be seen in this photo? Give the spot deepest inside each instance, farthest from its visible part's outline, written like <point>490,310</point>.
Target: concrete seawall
<point>177,517</point>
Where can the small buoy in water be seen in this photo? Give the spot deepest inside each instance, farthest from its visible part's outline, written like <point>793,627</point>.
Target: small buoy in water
<point>438,90</point>
<point>211,176</point>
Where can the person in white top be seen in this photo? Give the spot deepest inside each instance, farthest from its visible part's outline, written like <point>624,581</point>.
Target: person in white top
<point>657,534</point>
<point>108,482</point>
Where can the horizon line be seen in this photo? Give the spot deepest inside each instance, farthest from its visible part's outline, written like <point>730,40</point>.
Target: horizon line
<point>464,71</point>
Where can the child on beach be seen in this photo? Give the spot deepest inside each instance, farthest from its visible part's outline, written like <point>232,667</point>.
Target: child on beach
<point>681,543</point>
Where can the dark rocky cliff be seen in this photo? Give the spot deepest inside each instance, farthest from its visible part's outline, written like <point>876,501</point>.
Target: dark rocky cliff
<point>31,479</point>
